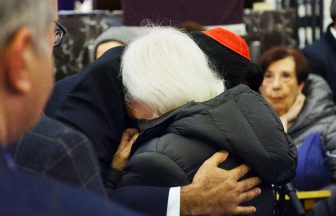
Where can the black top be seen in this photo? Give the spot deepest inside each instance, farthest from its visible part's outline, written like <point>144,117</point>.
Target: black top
<point>170,149</point>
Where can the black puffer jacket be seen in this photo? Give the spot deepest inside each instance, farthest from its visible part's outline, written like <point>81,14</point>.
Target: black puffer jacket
<point>170,149</point>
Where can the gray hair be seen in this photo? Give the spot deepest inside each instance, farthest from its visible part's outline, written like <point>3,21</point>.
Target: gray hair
<point>32,14</point>
<point>165,69</point>
<point>333,10</point>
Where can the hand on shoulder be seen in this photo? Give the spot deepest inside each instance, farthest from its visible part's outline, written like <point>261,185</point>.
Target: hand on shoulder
<point>216,191</point>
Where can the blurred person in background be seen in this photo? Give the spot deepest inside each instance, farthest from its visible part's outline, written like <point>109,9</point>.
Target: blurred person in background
<point>322,53</point>
<point>115,36</point>
<point>306,108</point>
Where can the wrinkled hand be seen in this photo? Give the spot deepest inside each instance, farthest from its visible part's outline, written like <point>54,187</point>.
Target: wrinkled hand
<point>121,157</point>
<point>215,191</point>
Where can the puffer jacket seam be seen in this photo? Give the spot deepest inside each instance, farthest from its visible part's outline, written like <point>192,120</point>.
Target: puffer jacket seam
<point>160,153</point>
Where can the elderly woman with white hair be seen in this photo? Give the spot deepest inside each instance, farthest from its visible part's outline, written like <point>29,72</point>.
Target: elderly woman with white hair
<point>187,115</point>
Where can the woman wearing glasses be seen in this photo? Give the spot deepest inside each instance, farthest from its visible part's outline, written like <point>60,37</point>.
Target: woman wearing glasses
<point>308,113</point>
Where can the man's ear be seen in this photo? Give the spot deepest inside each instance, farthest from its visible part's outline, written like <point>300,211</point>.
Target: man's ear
<point>17,75</point>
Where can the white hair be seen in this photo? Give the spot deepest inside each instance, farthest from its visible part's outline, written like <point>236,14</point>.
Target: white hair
<point>165,69</point>
<point>32,14</point>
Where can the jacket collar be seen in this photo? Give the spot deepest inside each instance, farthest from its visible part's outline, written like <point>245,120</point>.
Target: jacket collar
<point>330,37</point>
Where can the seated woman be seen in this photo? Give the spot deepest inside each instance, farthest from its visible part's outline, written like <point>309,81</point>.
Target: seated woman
<point>306,108</point>
<point>186,115</point>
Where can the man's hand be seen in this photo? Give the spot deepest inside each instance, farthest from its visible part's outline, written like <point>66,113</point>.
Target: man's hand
<point>121,157</point>
<point>215,191</point>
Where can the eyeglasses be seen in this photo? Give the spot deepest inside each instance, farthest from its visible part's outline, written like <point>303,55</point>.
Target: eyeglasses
<point>60,32</point>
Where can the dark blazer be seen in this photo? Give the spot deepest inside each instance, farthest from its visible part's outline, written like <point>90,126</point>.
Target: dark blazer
<point>25,195</point>
<point>92,102</point>
<point>322,58</point>
<point>52,149</point>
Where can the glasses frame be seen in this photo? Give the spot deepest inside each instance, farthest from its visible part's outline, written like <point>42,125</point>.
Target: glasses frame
<point>60,32</point>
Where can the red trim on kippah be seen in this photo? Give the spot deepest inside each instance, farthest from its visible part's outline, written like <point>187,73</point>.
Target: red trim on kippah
<point>230,40</point>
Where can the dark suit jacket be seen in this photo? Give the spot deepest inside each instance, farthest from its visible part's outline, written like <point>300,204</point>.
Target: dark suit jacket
<point>322,58</point>
<point>26,195</point>
<point>52,149</point>
<point>92,102</point>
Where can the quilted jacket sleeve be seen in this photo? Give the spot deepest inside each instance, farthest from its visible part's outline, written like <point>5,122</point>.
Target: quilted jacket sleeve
<point>253,131</point>
<point>272,154</point>
<point>152,169</point>
<point>330,147</point>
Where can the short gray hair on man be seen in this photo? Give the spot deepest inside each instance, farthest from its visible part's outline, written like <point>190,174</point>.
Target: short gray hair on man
<point>165,69</point>
<point>333,10</point>
<point>33,14</point>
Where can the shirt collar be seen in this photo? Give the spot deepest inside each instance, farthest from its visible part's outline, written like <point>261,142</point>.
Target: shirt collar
<point>333,31</point>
